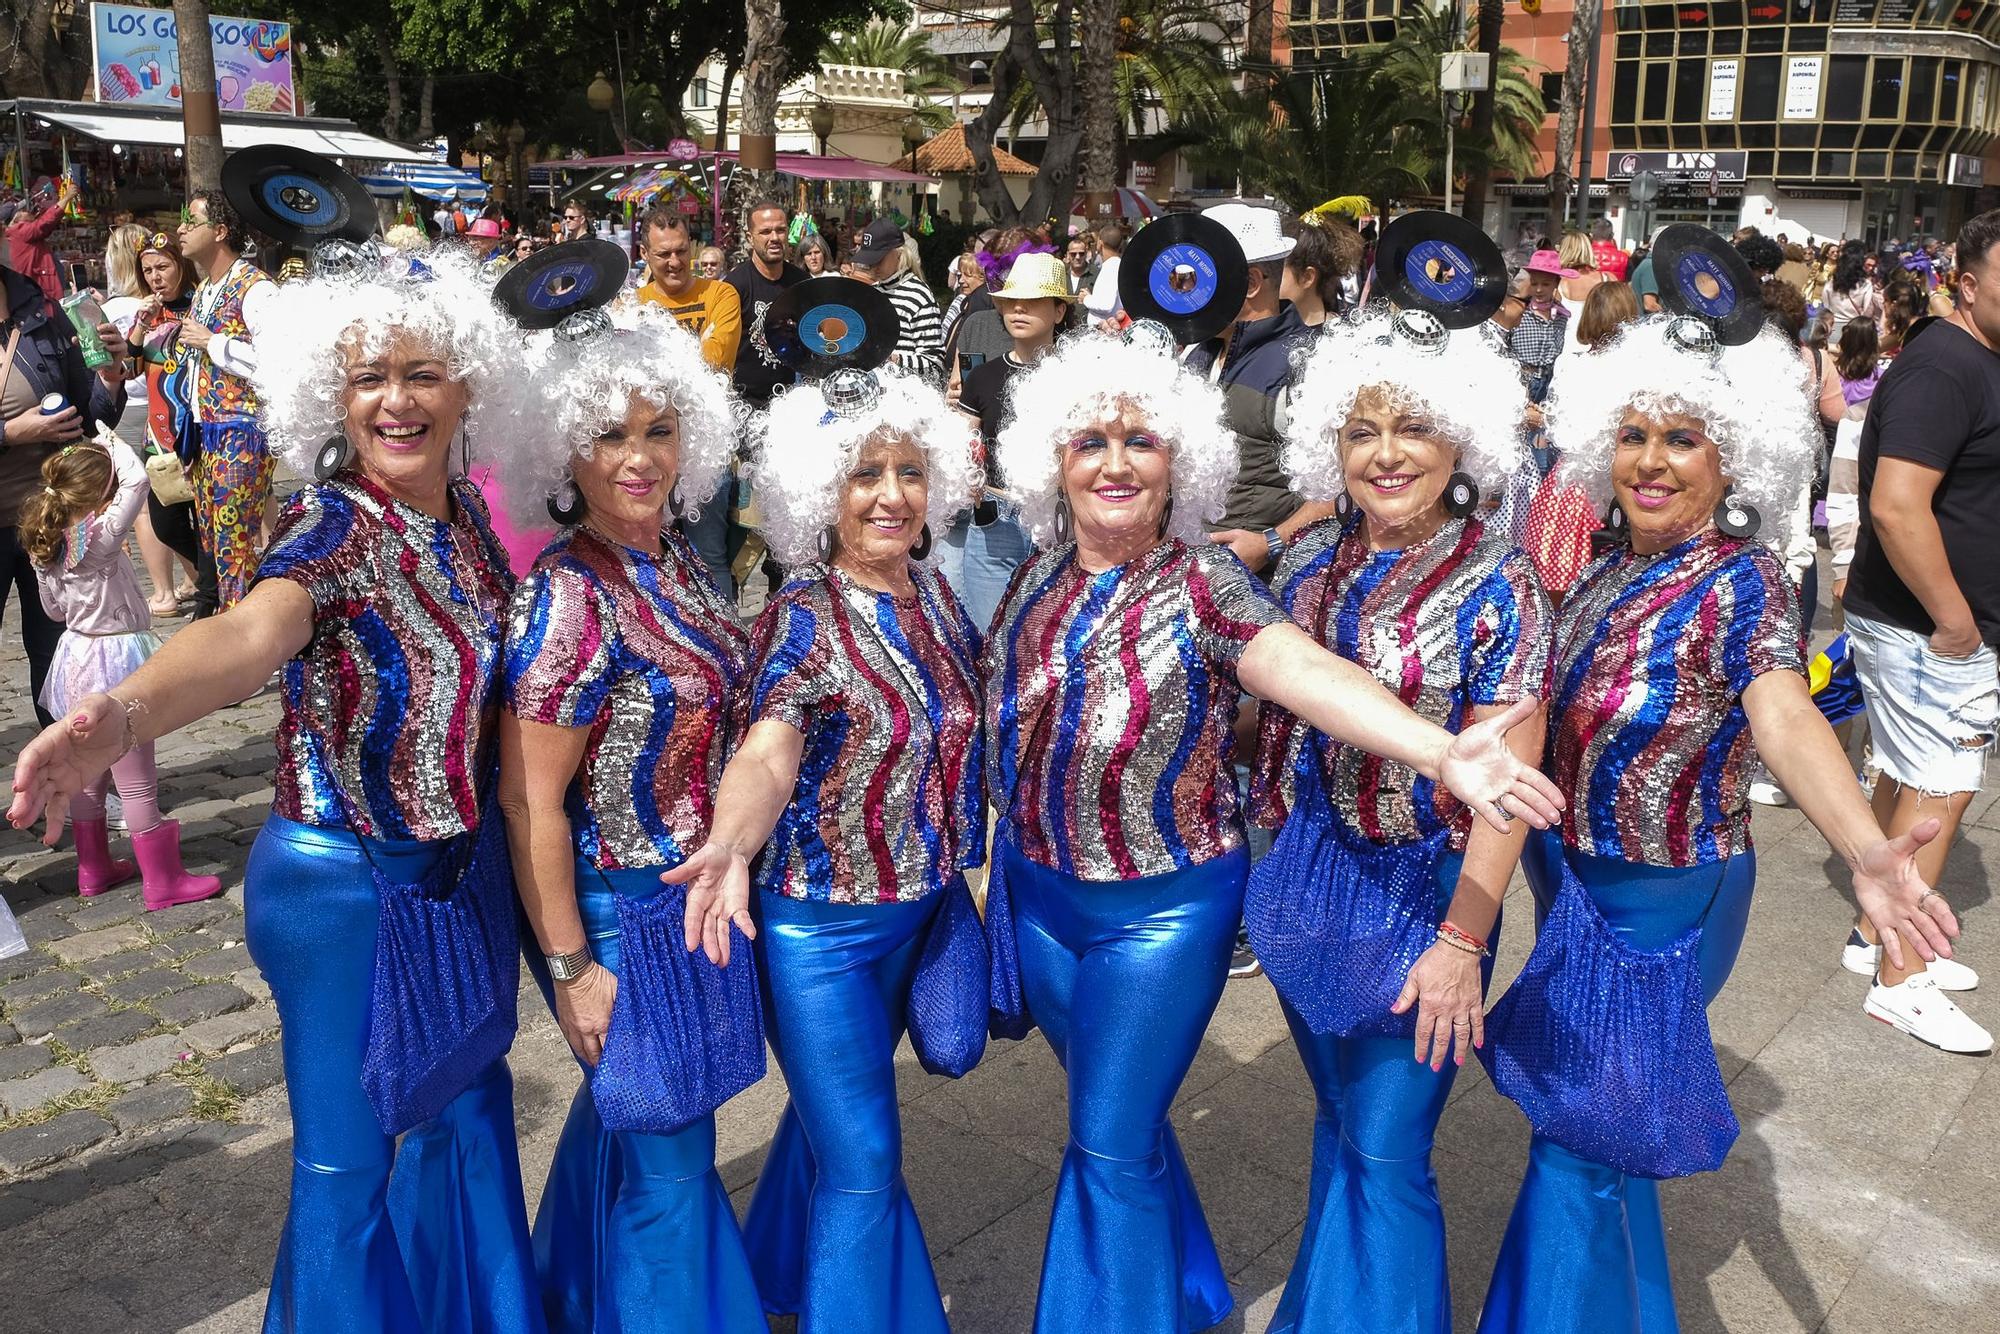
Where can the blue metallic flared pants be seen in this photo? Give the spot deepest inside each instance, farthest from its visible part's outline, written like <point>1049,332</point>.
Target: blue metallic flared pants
<point>432,1235</point>
<point>1372,1257</point>
<point>635,1232</point>
<point>831,1231</point>
<point>1586,1249</point>
<point>1122,977</point>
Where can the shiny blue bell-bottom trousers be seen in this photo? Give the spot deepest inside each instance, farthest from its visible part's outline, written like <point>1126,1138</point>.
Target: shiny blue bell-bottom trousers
<point>1586,1249</point>
<point>429,1236</point>
<point>831,1231</point>
<point>1121,977</point>
<point>635,1233</point>
<point>1372,1257</point>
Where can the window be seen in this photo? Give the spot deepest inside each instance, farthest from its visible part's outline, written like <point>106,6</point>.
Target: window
<point>1624,92</point>
<point>1885,92</point>
<point>1653,101</point>
<point>1844,77</point>
<point>1761,77</point>
<point>1552,89</point>
<point>698,90</point>
<point>1690,92</point>
<point>1948,90</point>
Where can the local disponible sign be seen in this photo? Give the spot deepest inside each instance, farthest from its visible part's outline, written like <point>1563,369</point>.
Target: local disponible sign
<point>1802,80</point>
<point>136,55</point>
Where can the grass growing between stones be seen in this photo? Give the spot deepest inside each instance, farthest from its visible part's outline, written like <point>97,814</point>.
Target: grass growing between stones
<point>93,1099</point>
<point>213,1099</point>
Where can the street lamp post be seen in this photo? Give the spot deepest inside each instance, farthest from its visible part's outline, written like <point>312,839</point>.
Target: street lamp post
<point>602,96</point>
<point>822,123</point>
<point>913,136</point>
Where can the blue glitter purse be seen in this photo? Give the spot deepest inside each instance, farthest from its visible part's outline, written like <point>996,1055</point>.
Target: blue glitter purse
<point>1006,1004</point>
<point>946,1012</point>
<point>685,1036</point>
<point>1606,1047</point>
<point>1338,920</point>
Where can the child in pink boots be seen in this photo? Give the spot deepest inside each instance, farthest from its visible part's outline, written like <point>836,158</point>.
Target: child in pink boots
<point>74,531</point>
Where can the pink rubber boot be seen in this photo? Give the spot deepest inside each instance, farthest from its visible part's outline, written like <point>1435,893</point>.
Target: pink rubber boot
<point>166,880</point>
<point>95,871</point>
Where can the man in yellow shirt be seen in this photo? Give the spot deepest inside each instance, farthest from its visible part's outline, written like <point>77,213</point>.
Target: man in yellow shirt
<point>705,307</point>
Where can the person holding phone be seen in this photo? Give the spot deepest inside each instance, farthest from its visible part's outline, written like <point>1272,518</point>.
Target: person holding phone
<point>28,249</point>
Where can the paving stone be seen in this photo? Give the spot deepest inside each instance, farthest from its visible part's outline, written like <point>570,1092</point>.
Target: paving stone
<point>202,1002</point>
<point>113,910</point>
<point>144,986</point>
<point>251,1070</point>
<point>28,1093</point>
<point>118,965</point>
<point>226,1030</point>
<point>190,917</point>
<point>137,1060</point>
<point>23,1058</point>
<point>23,965</point>
<point>45,1017</point>
<point>219,964</point>
<point>253,984</point>
<point>29,1147</point>
<point>36,985</point>
<point>45,927</point>
<point>97,944</point>
<point>161,1100</point>
<point>106,1030</point>
<point>8,1036</point>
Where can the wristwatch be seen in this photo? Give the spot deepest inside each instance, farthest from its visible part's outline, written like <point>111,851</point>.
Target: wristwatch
<point>568,967</point>
<point>1275,544</point>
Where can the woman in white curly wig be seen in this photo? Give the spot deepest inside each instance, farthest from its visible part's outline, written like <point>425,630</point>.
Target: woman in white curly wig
<point>1676,655</point>
<point>622,668</point>
<point>1403,425</point>
<point>1111,697</point>
<point>381,598</point>
<point>853,806</point>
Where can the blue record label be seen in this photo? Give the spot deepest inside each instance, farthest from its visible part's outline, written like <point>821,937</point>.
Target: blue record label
<point>1705,285</point>
<point>562,286</point>
<point>300,200</point>
<point>1439,271</point>
<point>832,330</point>
<point>1183,278</point>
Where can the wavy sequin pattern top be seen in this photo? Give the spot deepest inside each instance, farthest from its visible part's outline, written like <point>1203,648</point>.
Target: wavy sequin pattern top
<point>889,804</point>
<point>1450,623</point>
<point>1648,738</point>
<point>641,650</point>
<point>1111,708</point>
<point>387,711</point>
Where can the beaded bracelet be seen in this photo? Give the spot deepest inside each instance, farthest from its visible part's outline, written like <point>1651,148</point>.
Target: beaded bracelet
<point>1452,934</point>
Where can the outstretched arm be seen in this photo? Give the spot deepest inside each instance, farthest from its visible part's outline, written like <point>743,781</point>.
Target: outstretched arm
<point>755,787</point>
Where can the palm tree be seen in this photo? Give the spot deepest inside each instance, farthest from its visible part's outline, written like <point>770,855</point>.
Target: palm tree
<point>1411,61</point>
<point>887,45</point>
<point>1317,134</point>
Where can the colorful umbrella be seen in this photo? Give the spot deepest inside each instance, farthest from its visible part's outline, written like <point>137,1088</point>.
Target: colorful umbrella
<point>1128,205</point>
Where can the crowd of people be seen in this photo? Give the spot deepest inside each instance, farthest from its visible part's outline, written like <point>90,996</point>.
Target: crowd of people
<point>1036,571</point>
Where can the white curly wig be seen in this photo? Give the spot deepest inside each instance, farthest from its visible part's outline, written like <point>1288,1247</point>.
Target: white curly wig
<point>805,450</point>
<point>1089,379</point>
<point>1469,391</point>
<point>571,391</point>
<point>320,321</point>
<point>1752,398</point>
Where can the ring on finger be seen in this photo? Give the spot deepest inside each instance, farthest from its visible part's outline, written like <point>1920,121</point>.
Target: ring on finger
<point>1925,897</point>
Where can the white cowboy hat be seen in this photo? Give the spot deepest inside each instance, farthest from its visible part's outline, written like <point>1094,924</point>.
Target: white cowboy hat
<point>1258,230</point>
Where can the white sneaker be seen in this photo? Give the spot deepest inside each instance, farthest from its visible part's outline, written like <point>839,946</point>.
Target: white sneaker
<point>1950,975</point>
<point>1916,1006</point>
<point>114,812</point>
<point>1766,793</point>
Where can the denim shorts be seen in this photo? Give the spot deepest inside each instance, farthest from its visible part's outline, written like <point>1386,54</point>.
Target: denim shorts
<point>1932,718</point>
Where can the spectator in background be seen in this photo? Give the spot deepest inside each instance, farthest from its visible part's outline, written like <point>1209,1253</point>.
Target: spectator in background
<point>1327,253</point>
<point>1080,263</point>
<point>1850,293</point>
<point>711,263</point>
<point>28,233</point>
<point>882,259</point>
<point>575,222</point>
<point>1644,286</point>
<point>1605,256</point>
<point>1580,276</point>
<point>1538,336</point>
<point>1795,272</point>
<point>1859,361</point>
<point>1762,255</point>
<point>446,218</point>
<point>813,255</point>
<point>967,277</point>
<point>1103,303</point>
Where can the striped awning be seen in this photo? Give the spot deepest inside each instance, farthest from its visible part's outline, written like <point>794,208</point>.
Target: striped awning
<point>432,179</point>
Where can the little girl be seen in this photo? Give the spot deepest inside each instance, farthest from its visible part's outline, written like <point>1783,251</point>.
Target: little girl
<point>74,531</point>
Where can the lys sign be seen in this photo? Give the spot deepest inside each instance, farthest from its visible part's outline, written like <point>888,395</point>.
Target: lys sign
<point>1678,168</point>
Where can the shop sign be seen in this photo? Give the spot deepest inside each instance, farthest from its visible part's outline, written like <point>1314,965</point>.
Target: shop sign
<point>136,55</point>
<point>1677,168</point>
<point>1145,174</point>
<point>1965,169</point>
<point>1722,89</point>
<point>1802,79</point>
<point>683,149</point>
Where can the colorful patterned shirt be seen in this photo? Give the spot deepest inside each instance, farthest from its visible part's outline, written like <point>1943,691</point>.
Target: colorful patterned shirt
<point>888,805</point>
<point>1451,623</point>
<point>1647,734</point>
<point>641,650</point>
<point>387,710</point>
<point>1111,708</point>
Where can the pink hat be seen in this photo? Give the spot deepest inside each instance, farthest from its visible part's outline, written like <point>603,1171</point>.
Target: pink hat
<point>491,227</point>
<point>1548,261</point>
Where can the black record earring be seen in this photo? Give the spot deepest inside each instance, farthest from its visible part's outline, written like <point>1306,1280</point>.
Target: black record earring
<point>1737,517</point>
<point>922,549</point>
<point>566,504</point>
<point>1061,523</point>
<point>1343,504</point>
<point>334,455</point>
<point>675,505</point>
<point>826,545</point>
<point>1461,496</point>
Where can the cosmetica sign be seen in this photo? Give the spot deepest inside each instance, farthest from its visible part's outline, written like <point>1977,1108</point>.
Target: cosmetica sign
<point>1674,168</point>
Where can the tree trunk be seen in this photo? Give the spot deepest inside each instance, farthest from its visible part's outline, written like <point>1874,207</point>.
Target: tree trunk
<point>734,63</point>
<point>392,72</point>
<point>30,35</point>
<point>1583,28</point>
<point>1259,64</point>
<point>201,119</point>
<point>1054,76</point>
<point>426,124</point>
<point>1492,15</point>
<point>763,76</point>
<point>1097,158</point>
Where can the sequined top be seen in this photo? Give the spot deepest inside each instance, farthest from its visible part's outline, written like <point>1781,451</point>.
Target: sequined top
<point>1647,734</point>
<point>889,804</point>
<point>1448,624</point>
<point>1111,708</point>
<point>641,650</point>
<point>387,710</point>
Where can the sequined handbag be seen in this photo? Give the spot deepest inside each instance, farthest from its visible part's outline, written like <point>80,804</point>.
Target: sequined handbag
<point>686,1035</point>
<point>1006,1004</point>
<point>1338,920</point>
<point>1606,1047</point>
<point>946,1011</point>
<point>447,969</point>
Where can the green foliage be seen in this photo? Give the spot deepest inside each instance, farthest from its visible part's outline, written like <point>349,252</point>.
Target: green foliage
<point>1410,64</point>
<point>889,44</point>
<point>945,243</point>
<point>1170,57</point>
<point>1318,134</point>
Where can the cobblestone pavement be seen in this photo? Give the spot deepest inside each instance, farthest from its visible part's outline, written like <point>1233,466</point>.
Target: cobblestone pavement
<point>144,1141</point>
